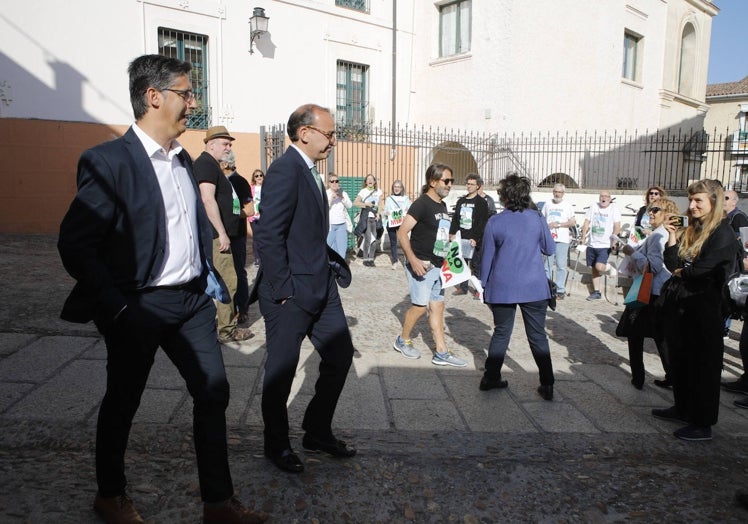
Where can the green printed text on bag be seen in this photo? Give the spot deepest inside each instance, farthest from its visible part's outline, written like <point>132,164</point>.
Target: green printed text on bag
<point>395,218</point>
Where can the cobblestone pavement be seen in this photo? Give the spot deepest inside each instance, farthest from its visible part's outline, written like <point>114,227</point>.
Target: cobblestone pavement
<point>432,448</point>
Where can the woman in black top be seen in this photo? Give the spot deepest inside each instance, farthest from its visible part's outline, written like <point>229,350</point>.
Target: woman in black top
<point>701,257</point>
<point>651,195</point>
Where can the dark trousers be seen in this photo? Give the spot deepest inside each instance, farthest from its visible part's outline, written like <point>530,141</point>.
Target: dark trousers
<point>744,349</point>
<point>695,351</point>
<point>239,252</point>
<point>286,325</point>
<point>636,357</point>
<point>392,234</point>
<point>183,323</point>
<point>533,315</point>
<point>645,326</point>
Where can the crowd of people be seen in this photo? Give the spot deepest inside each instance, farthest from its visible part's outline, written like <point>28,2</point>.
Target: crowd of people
<point>157,246</point>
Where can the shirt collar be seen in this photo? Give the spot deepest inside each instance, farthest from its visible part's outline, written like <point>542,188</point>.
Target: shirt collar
<point>309,162</point>
<point>152,147</point>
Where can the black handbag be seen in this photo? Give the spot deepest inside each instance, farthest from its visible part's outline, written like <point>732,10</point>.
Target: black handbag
<point>625,327</point>
<point>636,322</point>
<point>554,291</point>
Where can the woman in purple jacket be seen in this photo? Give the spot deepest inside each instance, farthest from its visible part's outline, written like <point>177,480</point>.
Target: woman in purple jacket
<point>512,274</point>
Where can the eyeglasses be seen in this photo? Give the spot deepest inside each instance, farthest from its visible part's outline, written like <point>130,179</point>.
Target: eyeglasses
<point>653,210</point>
<point>334,181</point>
<point>188,95</point>
<point>259,176</point>
<point>654,193</point>
<point>329,135</point>
<point>448,181</point>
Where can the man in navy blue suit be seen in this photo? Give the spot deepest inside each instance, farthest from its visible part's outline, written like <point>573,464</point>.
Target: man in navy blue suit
<point>138,242</point>
<point>297,287</point>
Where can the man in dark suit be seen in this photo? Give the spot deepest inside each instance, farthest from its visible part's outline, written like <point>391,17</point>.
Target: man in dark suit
<point>298,292</point>
<point>138,241</point>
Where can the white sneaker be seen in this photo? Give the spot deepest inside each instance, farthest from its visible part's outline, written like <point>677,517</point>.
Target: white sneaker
<point>406,348</point>
<point>448,359</point>
<point>396,266</point>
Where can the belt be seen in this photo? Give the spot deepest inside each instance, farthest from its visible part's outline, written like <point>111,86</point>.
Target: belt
<point>176,287</point>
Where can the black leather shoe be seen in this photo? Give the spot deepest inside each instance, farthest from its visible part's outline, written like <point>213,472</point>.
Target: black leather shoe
<point>735,386</point>
<point>546,392</point>
<point>286,460</point>
<point>670,413</point>
<point>638,384</point>
<point>665,384</point>
<point>335,447</point>
<point>488,383</point>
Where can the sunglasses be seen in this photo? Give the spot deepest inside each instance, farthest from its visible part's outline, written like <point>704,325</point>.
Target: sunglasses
<point>654,210</point>
<point>654,193</point>
<point>334,181</point>
<point>259,176</point>
<point>448,181</point>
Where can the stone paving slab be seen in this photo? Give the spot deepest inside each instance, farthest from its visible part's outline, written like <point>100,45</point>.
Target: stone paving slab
<point>594,454</point>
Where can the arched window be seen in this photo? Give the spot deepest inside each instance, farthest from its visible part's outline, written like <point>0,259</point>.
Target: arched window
<point>687,66</point>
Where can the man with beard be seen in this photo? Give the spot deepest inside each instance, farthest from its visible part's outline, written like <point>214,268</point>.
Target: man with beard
<point>424,237</point>
<point>225,213</point>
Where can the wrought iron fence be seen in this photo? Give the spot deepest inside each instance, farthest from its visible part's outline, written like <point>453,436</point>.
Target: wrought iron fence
<point>671,158</point>
<point>199,118</point>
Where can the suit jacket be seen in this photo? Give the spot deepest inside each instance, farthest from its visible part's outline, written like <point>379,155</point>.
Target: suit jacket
<point>113,238</point>
<point>291,239</point>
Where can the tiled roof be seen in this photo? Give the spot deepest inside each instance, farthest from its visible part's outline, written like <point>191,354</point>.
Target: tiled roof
<point>728,88</point>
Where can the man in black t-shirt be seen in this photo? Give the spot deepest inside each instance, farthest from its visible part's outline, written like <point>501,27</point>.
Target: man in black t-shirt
<point>424,238</point>
<point>224,212</point>
<point>239,242</point>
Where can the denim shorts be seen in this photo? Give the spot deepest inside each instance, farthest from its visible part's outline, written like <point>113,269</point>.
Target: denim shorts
<point>425,289</point>
<point>597,255</point>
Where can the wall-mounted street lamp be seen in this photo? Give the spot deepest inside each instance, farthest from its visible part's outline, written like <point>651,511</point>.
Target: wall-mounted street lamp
<point>258,25</point>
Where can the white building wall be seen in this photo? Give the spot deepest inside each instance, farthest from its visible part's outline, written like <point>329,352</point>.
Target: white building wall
<point>534,65</point>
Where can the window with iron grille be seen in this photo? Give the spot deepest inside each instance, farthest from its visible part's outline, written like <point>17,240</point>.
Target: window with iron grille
<point>454,28</point>
<point>352,98</point>
<point>358,5</point>
<point>192,48</point>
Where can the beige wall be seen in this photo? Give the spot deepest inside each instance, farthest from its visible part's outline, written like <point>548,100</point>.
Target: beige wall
<point>40,158</point>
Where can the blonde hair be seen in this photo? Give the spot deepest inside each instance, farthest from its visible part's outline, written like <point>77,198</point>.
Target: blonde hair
<point>666,205</point>
<point>699,230</point>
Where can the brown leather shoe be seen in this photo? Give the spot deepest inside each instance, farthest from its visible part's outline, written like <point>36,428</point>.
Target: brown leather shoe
<point>237,335</point>
<point>231,511</point>
<point>117,510</point>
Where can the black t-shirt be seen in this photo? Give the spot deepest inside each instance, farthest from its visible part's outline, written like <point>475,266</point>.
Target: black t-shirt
<point>243,191</point>
<point>207,170</point>
<point>430,217</point>
<point>737,220</point>
<point>469,218</point>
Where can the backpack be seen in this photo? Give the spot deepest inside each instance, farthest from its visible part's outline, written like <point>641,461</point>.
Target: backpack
<point>735,291</point>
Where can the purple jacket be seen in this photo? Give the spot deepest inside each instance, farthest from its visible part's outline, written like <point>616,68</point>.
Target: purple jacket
<point>512,270</point>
